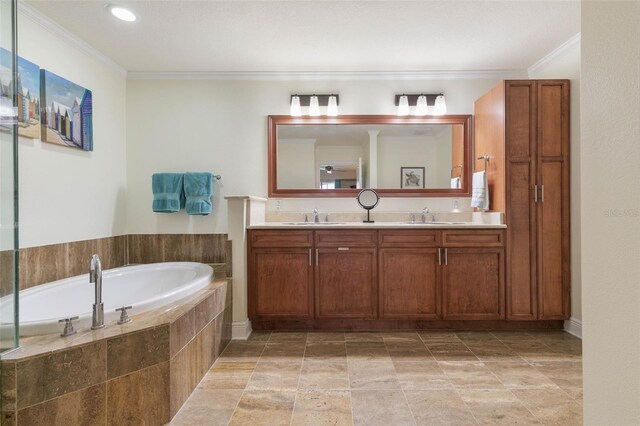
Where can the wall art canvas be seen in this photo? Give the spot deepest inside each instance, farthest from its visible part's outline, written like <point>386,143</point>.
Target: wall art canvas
<point>412,177</point>
<point>27,112</point>
<point>66,112</point>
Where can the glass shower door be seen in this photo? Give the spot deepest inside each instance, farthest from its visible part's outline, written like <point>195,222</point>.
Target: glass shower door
<point>8,177</point>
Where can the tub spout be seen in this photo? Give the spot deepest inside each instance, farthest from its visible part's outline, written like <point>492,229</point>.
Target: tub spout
<point>95,276</point>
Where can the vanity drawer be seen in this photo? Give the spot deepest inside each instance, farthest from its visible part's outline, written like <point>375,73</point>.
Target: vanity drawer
<point>281,238</point>
<point>409,238</point>
<point>473,238</point>
<point>346,238</point>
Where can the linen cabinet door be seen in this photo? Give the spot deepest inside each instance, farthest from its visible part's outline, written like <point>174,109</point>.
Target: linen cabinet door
<point>281,283</point>
<point>473,284</point>
<point>410,284</point>
<point>345,282</point>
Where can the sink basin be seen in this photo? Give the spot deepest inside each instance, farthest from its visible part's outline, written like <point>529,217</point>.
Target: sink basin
<point>313,223</point>
<point>434,223</point>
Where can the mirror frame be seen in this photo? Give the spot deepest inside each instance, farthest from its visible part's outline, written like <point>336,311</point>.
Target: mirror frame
<point>275,120</point>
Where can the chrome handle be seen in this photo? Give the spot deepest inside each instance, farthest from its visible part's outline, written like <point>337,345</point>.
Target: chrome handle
<point>439,256</point>
<point>124,316</point>
<point>68,326</point>
<point>446,256</point>
<point>542,194</point>
<point>316,257</point>
<point>343,248</point>
<point>309,257</point>
<point>535,193</point>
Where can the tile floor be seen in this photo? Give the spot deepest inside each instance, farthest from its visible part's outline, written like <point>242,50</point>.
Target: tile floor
<point>392,378</point>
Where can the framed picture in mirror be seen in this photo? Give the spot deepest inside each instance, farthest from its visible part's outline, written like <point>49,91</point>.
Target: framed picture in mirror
<point>411,177</point>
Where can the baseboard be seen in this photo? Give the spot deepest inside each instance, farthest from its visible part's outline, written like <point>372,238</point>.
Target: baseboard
<point>241,330</point>
<point>573,326</point>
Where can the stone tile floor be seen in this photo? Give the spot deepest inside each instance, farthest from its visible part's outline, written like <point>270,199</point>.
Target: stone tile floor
<point>392,378</point>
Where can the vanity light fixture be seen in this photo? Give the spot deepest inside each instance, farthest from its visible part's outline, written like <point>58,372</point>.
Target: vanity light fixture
<point>403,105</point>
<point>314,102</point>
<point>314,106</point>
<point>425,104</point>
<point>122,13</point>
<point>295,110</point>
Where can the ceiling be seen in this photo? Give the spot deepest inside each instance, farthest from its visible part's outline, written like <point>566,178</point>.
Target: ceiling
<point>321,36</point>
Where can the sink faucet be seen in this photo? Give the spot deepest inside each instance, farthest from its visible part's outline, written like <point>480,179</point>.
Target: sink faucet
<point>425,212</point>
<point>316,217</point>
<point>95,276</point>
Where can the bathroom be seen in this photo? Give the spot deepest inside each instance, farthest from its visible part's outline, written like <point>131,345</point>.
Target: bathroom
<point>174,97</point>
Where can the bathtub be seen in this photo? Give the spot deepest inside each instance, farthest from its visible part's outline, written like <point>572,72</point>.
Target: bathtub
<point>144,287</point>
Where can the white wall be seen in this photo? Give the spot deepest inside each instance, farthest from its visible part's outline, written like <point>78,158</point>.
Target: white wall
<point>299,156</point>
<point>565,63</point>
<point>610,203</point>
<point>67,194</point>
<point>221,126</point>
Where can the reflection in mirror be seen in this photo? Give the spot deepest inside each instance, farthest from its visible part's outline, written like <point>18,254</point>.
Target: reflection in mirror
<point>397,156</point>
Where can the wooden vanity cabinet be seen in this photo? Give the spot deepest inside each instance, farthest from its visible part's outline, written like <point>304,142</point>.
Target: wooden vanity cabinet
<point>280,273</point>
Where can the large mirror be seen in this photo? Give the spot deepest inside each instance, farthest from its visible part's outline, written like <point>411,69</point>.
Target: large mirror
<point>396,156</point>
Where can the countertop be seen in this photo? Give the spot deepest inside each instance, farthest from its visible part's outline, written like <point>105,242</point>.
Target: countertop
<point>376,225</point>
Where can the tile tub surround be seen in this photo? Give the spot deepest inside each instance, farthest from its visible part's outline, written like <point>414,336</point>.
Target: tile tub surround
<point>43,264</point>
<point>140,372</point>
<point>392,378</point>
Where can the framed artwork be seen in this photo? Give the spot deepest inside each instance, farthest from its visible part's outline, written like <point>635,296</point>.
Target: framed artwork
<point>66,112</point>
<point>411,177</point>
<point>27,112</point>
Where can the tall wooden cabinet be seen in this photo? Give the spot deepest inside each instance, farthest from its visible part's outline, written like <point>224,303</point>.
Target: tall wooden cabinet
<point>523,125</point>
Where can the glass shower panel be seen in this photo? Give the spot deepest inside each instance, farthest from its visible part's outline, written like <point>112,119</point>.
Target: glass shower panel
<point>8,178</point>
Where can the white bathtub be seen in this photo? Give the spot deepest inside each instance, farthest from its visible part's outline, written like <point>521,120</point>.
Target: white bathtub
<point>144,287</point>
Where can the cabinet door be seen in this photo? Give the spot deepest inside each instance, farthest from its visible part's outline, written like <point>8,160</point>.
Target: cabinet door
<point>473,284</point>
<point>553,202</point>
<point>409,285</point>
<point>281,283</point>
<point>346,282</point>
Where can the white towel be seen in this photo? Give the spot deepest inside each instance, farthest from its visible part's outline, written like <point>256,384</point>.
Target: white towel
<point>480,191</point>
<point>455,182</point>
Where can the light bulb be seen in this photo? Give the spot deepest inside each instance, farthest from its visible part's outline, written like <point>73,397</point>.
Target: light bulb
<point>295,111</point>
<point>403,105</point>
<point>122,13</point>
<point>421,105</point>
<point>332,106</point>
<point>440,108</point>
<point>314,106</point>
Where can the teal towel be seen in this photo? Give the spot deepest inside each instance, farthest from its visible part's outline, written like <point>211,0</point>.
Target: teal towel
<point>168,194</point>
<point>198,188</point>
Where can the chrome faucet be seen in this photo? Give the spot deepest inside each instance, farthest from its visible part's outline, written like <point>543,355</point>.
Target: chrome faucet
<point>425,212</point>
<point>95,276</point>
<point>316,216</point>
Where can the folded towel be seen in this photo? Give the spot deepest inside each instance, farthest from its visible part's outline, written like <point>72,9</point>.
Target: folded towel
<point>455,182</point>
<point>168,195</point>
<point>198,188</point>
<point>480,191</point>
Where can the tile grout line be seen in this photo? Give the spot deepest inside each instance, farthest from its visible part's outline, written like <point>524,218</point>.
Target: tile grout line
<point>413,416</point>
<point>306,336</point>
<point>247,384</point>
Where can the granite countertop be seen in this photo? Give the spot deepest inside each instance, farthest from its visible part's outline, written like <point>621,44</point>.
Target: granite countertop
<point>376,225</point>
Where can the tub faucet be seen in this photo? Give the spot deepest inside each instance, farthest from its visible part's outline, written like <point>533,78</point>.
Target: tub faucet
<point>95,276</point>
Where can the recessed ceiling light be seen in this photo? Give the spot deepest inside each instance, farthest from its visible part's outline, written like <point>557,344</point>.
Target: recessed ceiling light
<point>122,13</point>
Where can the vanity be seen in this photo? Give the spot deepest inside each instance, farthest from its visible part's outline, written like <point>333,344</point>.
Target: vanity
<point>394,274</point>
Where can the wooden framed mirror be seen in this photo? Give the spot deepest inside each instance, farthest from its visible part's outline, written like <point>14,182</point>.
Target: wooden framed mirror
<point>397,156</point>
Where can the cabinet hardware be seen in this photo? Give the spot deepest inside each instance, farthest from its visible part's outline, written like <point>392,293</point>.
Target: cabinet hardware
<point>343,248</point>
<point>309,257</point>
<point>542,194</point>
<point>439,256</point>
<point>446,256</point>
<point>316,257</point>
<point>535,193</point>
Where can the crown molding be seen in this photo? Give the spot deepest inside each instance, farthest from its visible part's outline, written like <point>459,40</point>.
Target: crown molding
<point>55,28</point>
<point>554,54</point>
<point>328,75</point>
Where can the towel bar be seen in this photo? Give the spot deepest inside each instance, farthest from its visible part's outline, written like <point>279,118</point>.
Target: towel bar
<point>217,177</point>
<point>486,159</point>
